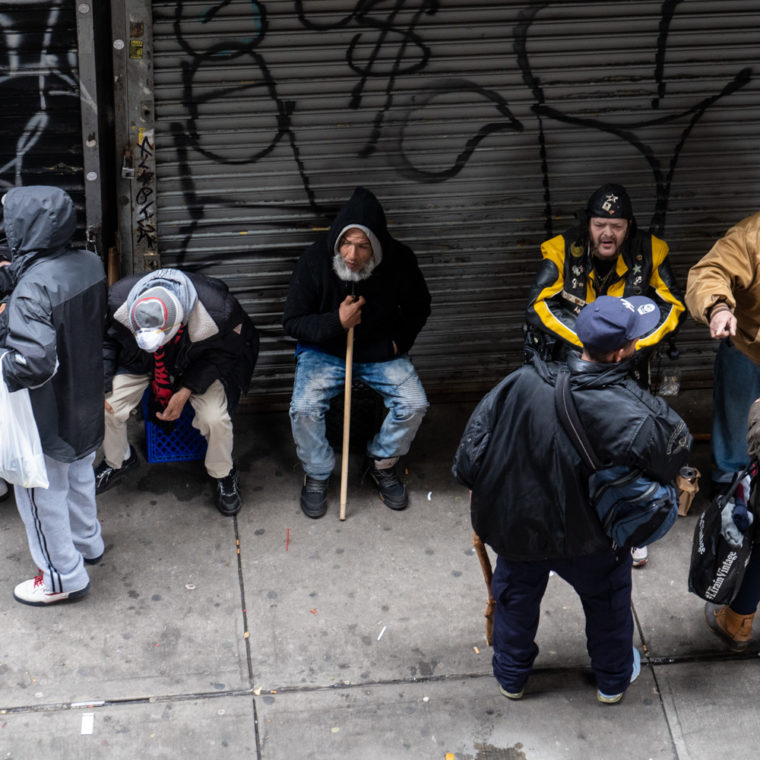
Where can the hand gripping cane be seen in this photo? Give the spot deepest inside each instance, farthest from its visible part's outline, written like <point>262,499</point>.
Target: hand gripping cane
<point>346,421</point>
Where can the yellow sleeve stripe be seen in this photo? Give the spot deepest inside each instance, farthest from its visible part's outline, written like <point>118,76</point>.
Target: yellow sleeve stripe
<point>659,252</point>
<point>554,251</point>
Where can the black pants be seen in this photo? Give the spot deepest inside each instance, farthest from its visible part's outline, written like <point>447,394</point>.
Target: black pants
<point>602,581</point>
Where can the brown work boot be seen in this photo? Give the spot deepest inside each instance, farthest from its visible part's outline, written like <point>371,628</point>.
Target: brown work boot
<point>731,627</point>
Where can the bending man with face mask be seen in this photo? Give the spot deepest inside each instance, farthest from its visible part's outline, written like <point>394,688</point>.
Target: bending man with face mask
<point>605,254</point>
<point>357,276</point>
<point>186,338</point>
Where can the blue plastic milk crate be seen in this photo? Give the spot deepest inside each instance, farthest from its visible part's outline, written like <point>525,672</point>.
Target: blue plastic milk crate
<point>183,444</point>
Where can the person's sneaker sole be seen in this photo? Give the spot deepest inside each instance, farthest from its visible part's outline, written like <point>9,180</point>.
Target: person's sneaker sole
<point>510,694</point>
<point>613,699</point>
<point>313,513</point>
<point>41,599</point>
<point>227,512</point>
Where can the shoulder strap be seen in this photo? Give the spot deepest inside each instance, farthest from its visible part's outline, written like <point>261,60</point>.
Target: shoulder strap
<point>571,422</point>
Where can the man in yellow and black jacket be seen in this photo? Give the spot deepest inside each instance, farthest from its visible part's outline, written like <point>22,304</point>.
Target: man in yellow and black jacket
<point>605,254</point>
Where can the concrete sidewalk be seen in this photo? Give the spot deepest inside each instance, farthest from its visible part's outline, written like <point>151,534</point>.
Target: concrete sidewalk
<point>277,637</point>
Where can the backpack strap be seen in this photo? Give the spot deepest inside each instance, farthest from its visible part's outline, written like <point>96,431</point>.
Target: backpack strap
<point>571,421</point>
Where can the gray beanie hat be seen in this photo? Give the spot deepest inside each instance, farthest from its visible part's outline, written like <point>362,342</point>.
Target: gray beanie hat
<point>156,308</point>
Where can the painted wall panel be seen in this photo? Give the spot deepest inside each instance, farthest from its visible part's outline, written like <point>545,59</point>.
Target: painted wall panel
<point>40,122</point>
<point>482,127</point>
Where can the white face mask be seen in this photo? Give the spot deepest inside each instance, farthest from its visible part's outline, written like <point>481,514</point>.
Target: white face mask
<point>150,340</point>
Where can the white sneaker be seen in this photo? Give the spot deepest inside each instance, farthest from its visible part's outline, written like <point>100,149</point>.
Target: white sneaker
<point>4,490</point>
<point>613,699</point>
<point>640,556</point>
<point>33,592</point>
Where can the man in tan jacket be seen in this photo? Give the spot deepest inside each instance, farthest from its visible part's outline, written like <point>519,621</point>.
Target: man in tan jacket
<point>723,292</point>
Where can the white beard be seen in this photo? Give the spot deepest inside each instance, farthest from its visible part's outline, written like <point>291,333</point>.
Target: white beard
<point>347,275</point>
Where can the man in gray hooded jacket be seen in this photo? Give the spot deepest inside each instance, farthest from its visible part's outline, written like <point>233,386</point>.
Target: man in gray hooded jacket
<point>53,347</point>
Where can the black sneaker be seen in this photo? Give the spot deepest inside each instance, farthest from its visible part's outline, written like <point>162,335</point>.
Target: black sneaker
<point>228,494</point>
<point>106,476</point>
<point>314,497</point>
<point>390,488</point>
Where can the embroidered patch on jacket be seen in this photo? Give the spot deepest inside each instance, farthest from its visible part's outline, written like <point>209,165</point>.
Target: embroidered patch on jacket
<point>679,439</point>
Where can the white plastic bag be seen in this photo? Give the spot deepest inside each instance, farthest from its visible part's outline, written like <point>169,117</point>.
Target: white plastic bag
<point>21,459</point>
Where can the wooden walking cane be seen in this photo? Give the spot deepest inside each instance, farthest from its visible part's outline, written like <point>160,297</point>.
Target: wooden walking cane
<point>485,564</point>
<point>346,421</point>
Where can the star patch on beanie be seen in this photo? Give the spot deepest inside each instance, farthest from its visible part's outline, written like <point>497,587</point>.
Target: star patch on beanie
<point>610,202</point>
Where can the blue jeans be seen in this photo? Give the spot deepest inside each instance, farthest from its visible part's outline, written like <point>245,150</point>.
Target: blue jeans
<point>320,377</point>
<point>736,385</point>
<point>602,581</point>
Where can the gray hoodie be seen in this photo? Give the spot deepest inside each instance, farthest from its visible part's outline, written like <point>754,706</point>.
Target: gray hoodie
<point>56,317</point>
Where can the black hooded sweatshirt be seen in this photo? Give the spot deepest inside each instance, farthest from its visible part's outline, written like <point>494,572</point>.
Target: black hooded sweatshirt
<point>397,299</point>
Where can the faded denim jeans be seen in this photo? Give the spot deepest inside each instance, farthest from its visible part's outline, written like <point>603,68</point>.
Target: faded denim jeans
<point>320,377</point>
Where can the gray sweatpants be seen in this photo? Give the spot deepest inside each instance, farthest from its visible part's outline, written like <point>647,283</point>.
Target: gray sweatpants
<point>62,524</point>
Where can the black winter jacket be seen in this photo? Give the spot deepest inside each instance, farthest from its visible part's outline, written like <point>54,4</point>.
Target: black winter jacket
<point>529,485</point>
<point>56,315</point>
<point>219,343</point>
<point>397,299</point>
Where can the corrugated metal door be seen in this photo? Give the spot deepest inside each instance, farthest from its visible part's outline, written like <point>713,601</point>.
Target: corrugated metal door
<point>482,127</point>
<point>40,120</point>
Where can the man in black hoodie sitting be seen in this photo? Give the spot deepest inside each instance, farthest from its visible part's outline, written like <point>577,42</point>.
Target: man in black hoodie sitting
<point>357,276</point>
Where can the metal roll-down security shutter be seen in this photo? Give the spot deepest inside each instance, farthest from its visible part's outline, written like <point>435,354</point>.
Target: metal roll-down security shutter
<point>40,121</point>
<point>481,126</point>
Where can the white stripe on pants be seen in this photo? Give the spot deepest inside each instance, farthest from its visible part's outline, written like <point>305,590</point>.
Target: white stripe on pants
<point>62,523</point>
<point>212,420</point>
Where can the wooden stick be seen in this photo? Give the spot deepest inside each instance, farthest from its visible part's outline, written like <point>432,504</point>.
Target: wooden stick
<point>485,564</point>
<point>346,421</point>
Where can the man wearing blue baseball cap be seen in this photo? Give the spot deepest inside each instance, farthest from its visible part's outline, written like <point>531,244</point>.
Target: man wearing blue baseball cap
<point>530,494</point>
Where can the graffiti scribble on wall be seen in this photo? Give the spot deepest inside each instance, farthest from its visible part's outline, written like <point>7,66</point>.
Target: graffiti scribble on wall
<point>270,113</point>
<point>633,131</point>
<point>144,200</point>
<point>383,49</point>
<point>40,129</point>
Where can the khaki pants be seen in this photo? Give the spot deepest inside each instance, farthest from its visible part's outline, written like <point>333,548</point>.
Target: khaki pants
<point>211,419</point>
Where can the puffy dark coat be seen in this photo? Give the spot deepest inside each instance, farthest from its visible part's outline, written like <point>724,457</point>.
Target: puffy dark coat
<point>397,299</point>
<point>219,343</point>
<point>56,315</point>
<point>529,485</point>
